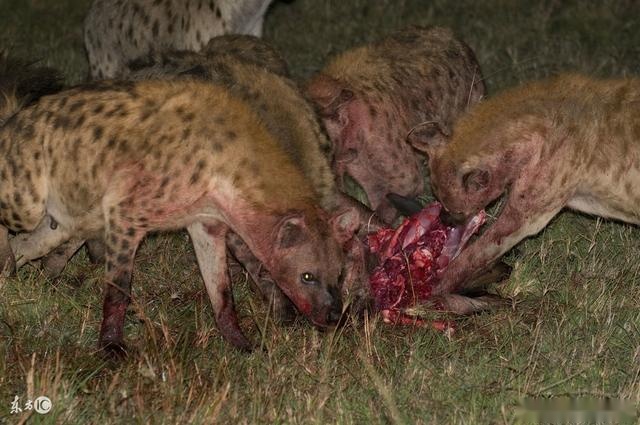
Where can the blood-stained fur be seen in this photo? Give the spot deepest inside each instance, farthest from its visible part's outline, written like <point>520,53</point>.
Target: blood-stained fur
<point>569,141</point>
<point>119,160</point>
<point>119,31</point>
<point>371,97</point>
<point>183,64</point>
<point>254,72</point>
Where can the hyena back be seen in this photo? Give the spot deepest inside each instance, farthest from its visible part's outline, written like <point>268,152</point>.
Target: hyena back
<point>209,63</point>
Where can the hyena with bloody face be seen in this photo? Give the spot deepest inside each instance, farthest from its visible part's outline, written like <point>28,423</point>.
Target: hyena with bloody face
<point>570,141</point>
<point>372,96</point>
<point>119,160</point>
<point>255,72</point>
<point>117,31</point>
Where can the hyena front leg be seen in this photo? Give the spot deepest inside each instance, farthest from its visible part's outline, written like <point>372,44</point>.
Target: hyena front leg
<point>122,237</point>
<point>33,245</point>
<point>209,243</point>
<point>283,308</point>
<point>7,260</point>
<point>515,223</point>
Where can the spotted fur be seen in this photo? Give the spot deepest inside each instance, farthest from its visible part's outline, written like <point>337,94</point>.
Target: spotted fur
<point>119,160</point>
<point>117,32</point>
<point>254,72</point>
<point>570,141</point>
<point>209,64</point>
<point>372,96</point>
<point>22,82</point>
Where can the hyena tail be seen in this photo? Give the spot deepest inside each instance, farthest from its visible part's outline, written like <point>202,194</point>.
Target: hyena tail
<point>22,82</point>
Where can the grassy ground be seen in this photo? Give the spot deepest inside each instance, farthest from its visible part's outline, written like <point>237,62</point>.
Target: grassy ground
<point>573,328</point>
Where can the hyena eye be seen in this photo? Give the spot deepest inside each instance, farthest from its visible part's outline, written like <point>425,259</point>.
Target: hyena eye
<point>308,278</point>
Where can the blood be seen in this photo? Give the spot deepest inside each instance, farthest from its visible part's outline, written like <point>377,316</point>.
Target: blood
<point>411,260</point>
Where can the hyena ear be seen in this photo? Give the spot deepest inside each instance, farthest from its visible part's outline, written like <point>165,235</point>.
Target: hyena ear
<point>427,137</point>
<point>291,232</point>
<point>328,94</point>
<point>476,180</point>
<point>344,224</point>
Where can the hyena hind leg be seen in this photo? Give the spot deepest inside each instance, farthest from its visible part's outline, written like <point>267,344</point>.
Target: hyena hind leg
<point>123,241</point>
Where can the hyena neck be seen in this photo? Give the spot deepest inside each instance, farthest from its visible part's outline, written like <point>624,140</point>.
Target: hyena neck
<point>258,226</point>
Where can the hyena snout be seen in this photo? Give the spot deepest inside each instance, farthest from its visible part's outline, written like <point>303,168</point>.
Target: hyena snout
<point>335,313</point>
<point>335,307</point>
<point>329,309</point>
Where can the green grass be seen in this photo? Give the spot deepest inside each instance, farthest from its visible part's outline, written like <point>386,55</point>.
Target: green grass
<point>573,328</point>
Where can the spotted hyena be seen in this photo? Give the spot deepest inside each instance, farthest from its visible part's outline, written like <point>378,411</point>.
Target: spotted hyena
<point>371,97</point>
<point>118,31</point>
<point>255,72</point>
<point>119,160</point>
<point>176,64</point>
<point>570,141</point>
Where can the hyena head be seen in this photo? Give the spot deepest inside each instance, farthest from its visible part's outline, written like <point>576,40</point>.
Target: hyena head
<point>364,145</point>
<point>464,177</point>
<point>308,263</point>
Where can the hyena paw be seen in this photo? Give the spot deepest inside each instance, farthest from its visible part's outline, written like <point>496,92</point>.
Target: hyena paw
<point>53,264</point>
